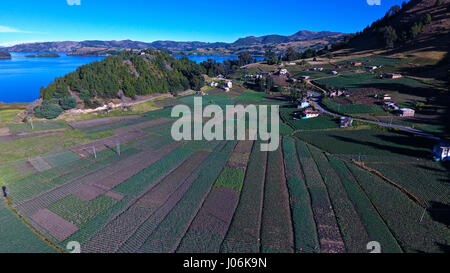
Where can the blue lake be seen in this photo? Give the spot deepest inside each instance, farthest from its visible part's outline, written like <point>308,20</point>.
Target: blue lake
<point>21,78</point>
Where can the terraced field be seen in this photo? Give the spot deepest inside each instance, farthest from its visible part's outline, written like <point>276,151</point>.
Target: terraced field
<point>158,195</point>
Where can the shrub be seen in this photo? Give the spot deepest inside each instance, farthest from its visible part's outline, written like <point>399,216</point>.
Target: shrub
<point>67,103</point>
<point>48,110</point>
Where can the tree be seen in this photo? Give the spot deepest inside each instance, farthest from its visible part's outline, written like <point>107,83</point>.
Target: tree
<point>269,83</point>
<point>309,53</point>
<point>49,110</point>
<point>427,19</point>
<point>291,55</point>
<point>67,103</point>
<point>270,57</point>
<point>438,3</point>
<point>389,36</point>
<point>416,29</point>
<point>245,58</point>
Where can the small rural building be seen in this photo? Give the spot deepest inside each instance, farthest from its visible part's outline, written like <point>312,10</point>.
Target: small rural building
<point>283,71</point>
<point>213,84</point>
<point>310,113</point>
<point>303,104</point>
<point>441,152</point>
<point>333,72</point>
<point>371,67</point>
<point>346,122</point>
<point>392,76</point>
<point>305,77</point>
<point>391,104</point>
<point>229,84</point>
<point>407,112</point>
<point>356,63</point>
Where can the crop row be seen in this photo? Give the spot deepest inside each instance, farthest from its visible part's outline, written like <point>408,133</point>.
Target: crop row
<point>109,240</point>
<point>353,231</point>
<point>78,211</point>
<point>243,233</point>
<point>305,232</point>
<point>131,188</point>
<point>169,233</point>
<point>375,226</point>
<point>328,231</point>
<point>139,237</point>
<point>276,228</point>
<point>214,218</point>
<point>403,215</point>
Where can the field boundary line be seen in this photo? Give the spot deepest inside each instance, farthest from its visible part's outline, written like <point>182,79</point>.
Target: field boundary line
<point>186,180</point>
<point>374,207</point>
<point>178,244</point>
<point>401,188</point>
<point>24,220</point>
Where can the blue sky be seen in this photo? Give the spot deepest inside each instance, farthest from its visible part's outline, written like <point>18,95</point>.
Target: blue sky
<point>179,20</point>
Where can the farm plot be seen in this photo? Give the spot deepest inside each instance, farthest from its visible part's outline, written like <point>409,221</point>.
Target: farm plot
<point>244,232</point>
<point>136,241</point>
<point>375,226</point>
<point>15,171</point>
<point>305,232</point>
<point>60,158</point>
<point>380,145</point>
<point>352,229</point>
<point>84,124</point>
<point>322,122</point>
<point>108,143</point>
<point>54,224</point>
<point>427,180</point>
<point>79,211</point>
<point>403,215</point>
<point>110,240</point>
<point>39,164</point>
<point>211,224</point>
<point>23,128</point>
<point>167,236</point>
<point>16,237</point>
<point>349,109</point>
<point>329,235</point>
<point>131,189</point>
<point>34,185</point>
<point>276,228</point>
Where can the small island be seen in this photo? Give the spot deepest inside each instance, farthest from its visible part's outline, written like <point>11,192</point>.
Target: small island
<point>5,55</point>
<point>49,55</point>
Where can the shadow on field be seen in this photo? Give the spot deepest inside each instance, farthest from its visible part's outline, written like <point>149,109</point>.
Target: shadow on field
<point>440,212</point>
<point>444,248</point>
<point>419,147</point>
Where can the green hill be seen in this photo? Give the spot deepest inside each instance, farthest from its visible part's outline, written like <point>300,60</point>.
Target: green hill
<point>135,74</point>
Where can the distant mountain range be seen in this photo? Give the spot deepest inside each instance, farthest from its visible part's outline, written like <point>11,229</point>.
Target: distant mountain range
<point>241,44</point>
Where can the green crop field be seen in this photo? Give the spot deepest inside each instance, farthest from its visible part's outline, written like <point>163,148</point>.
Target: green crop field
<point>159,195</point>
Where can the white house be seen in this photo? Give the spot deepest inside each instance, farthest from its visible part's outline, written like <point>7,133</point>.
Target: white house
<point>229,84</point>
<point>407,112</point>
<point>441,152</point>
<point>303,104</point>
<point>334,72</point>
<point>310,113</point>
<point>213,84</point>
<point>283,71</point>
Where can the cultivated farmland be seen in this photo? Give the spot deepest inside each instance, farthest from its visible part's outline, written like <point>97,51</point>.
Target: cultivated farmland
<point>123,185</point>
